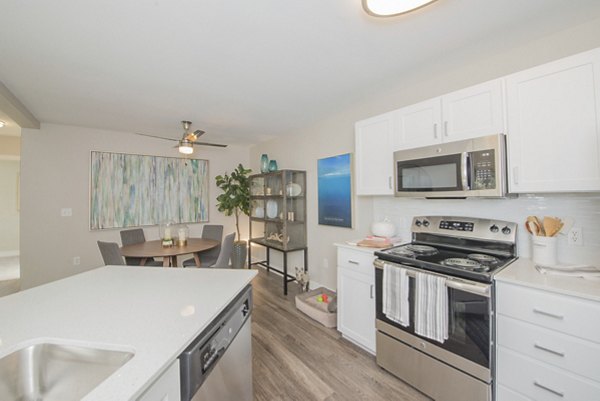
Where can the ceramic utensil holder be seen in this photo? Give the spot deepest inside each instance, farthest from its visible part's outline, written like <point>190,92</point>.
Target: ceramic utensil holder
<point>544,250</point>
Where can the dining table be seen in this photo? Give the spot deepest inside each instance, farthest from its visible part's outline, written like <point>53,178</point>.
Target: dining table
<point>155,249</point>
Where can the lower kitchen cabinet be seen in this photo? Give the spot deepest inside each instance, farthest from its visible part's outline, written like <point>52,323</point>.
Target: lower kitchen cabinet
<point>356,295</point>
<point>548,345</point>
<point>166,387</point>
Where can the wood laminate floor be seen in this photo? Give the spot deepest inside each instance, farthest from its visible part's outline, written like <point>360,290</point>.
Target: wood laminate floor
<point>295,358</point>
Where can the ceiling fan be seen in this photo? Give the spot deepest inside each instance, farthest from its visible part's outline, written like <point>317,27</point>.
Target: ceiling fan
<point>188,140</point>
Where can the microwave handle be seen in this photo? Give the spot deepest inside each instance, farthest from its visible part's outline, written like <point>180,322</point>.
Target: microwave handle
<point>464,170</point>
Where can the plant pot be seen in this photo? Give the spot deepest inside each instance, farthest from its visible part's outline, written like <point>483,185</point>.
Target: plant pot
<point>238,254</point>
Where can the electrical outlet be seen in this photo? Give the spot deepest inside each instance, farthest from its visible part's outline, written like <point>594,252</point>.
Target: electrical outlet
<point>575,236</point>
<point>76,260</point>
<point>66,212</point>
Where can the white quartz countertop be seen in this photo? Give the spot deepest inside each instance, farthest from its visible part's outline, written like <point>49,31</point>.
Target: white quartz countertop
<point>523,272</point>
<point>364,249</point>
<point>153,312</point>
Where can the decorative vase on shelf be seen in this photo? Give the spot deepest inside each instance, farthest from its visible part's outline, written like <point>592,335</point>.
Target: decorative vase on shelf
<point>264,163</point>
<point>273,165</point>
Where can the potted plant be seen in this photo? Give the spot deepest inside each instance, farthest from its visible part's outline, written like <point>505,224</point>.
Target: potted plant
<point>235,200</point>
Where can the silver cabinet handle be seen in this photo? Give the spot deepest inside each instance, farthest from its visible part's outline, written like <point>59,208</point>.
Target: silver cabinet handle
<point>371,291</point>
<point>353,262</point>
<point>390,182</point>
<point>435,130</point>
<point>555,392</point>
<point>541,312</point>
<point>516,175</point>
<point>538,346</point>
<point>446,128</point>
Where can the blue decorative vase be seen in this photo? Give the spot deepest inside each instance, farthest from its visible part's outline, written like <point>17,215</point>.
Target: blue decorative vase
<point>264,163</point>
<point>273,165</point>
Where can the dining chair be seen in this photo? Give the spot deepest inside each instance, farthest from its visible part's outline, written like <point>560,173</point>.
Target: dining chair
<point>132,237</point>
<point>224,258</point>
<point>208,258</point>
<point>111,254</point>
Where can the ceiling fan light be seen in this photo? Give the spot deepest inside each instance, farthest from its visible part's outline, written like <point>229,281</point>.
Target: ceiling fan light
<point>387,8</point>
<point>186,147</point>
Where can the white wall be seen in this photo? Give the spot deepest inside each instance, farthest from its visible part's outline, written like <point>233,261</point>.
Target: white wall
<point>9,213</point>
<point>450,72</point>
<point>55,174</point>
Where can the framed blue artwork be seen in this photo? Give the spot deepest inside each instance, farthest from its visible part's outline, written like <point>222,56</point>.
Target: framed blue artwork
<point>335,190</point>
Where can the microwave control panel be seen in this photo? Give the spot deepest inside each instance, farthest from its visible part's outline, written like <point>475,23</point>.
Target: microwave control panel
<point>483,165</point>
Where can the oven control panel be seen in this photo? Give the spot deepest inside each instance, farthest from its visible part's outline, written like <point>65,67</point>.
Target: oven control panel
<point>456,225</point>
<point>484,229</point>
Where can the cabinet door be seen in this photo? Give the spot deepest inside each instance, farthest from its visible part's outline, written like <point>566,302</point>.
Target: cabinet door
<point>553,126</point>
<point>356,308</point>
<point>374,156</point>
<point>166,387</point>
<point>419,125</point>
<point>472,112</point>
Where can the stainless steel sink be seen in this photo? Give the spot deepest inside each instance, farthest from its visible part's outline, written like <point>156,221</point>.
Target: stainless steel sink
<point>54,372</point>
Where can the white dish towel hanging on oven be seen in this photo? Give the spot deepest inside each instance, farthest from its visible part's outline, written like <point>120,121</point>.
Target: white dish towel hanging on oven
<point>431,307</point>
<point>395,294</point>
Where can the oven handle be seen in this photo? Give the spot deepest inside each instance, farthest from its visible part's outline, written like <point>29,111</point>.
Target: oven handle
<point>451,282</point>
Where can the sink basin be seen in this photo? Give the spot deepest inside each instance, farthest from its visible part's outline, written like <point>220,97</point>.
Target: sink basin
<point>56,372</point>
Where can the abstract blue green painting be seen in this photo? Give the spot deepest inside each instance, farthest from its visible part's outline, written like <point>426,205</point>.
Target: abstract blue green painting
<point>335,190</point>
<point>137,190</point>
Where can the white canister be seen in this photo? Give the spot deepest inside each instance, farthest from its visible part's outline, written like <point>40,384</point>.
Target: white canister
<point>383,228</point>
<point>544,250</point>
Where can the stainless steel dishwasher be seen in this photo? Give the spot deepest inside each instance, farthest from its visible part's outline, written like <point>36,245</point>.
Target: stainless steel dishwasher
<point>218,363</point>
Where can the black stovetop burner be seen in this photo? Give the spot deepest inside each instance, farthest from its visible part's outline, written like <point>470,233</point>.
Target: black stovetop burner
<point>476,252</point>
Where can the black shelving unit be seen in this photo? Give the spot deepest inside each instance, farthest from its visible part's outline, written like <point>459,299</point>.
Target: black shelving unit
<point>278,218</point>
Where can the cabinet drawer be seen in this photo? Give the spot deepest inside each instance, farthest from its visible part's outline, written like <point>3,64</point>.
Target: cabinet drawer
<point>542,382</point>
<point>359,261</point>
<point>503,393</point>
<point>563,351</point>
<point>575,316</point>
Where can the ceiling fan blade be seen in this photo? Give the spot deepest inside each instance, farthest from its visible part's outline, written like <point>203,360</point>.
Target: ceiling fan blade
<point>156,136</point>
<point>210,144</point>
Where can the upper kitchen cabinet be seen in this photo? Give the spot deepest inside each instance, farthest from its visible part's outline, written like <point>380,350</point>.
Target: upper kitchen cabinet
<point>553,126</point>
<point>467,113</point>
<point>373,154</point>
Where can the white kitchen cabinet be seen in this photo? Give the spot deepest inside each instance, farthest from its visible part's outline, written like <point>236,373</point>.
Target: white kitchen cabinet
<point>373,155</point>
<point>166,387</point>
<point>548,345</point>
<point>419,125</point>
<point>356,296</point>
<point>467,113</point>
<point>553,113</point>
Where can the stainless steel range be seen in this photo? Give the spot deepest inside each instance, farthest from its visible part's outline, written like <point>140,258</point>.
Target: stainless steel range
<point>441,285</point>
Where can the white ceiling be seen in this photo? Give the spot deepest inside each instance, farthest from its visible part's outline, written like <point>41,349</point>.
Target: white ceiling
<point>243,71</point>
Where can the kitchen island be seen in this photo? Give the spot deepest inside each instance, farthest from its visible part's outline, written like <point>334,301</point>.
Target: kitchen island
<point>153,313</point>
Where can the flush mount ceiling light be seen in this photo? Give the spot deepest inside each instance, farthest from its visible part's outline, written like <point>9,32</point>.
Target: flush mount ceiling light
<point>388,8</point>
<point>2,124</point>
<point>185,147</point>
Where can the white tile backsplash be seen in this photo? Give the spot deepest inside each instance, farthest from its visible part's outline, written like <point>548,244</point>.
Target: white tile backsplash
<point>584,209</point>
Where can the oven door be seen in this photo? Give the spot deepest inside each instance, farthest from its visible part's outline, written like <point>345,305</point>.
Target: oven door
<point>469,323</point>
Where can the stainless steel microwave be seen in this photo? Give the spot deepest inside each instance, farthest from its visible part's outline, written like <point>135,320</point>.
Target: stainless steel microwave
<point>469,168</point>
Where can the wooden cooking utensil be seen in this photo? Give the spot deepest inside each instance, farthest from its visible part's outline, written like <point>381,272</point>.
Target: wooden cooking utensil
<point>552,225</point>
<point>540,227</point>
<point>533,226</point>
